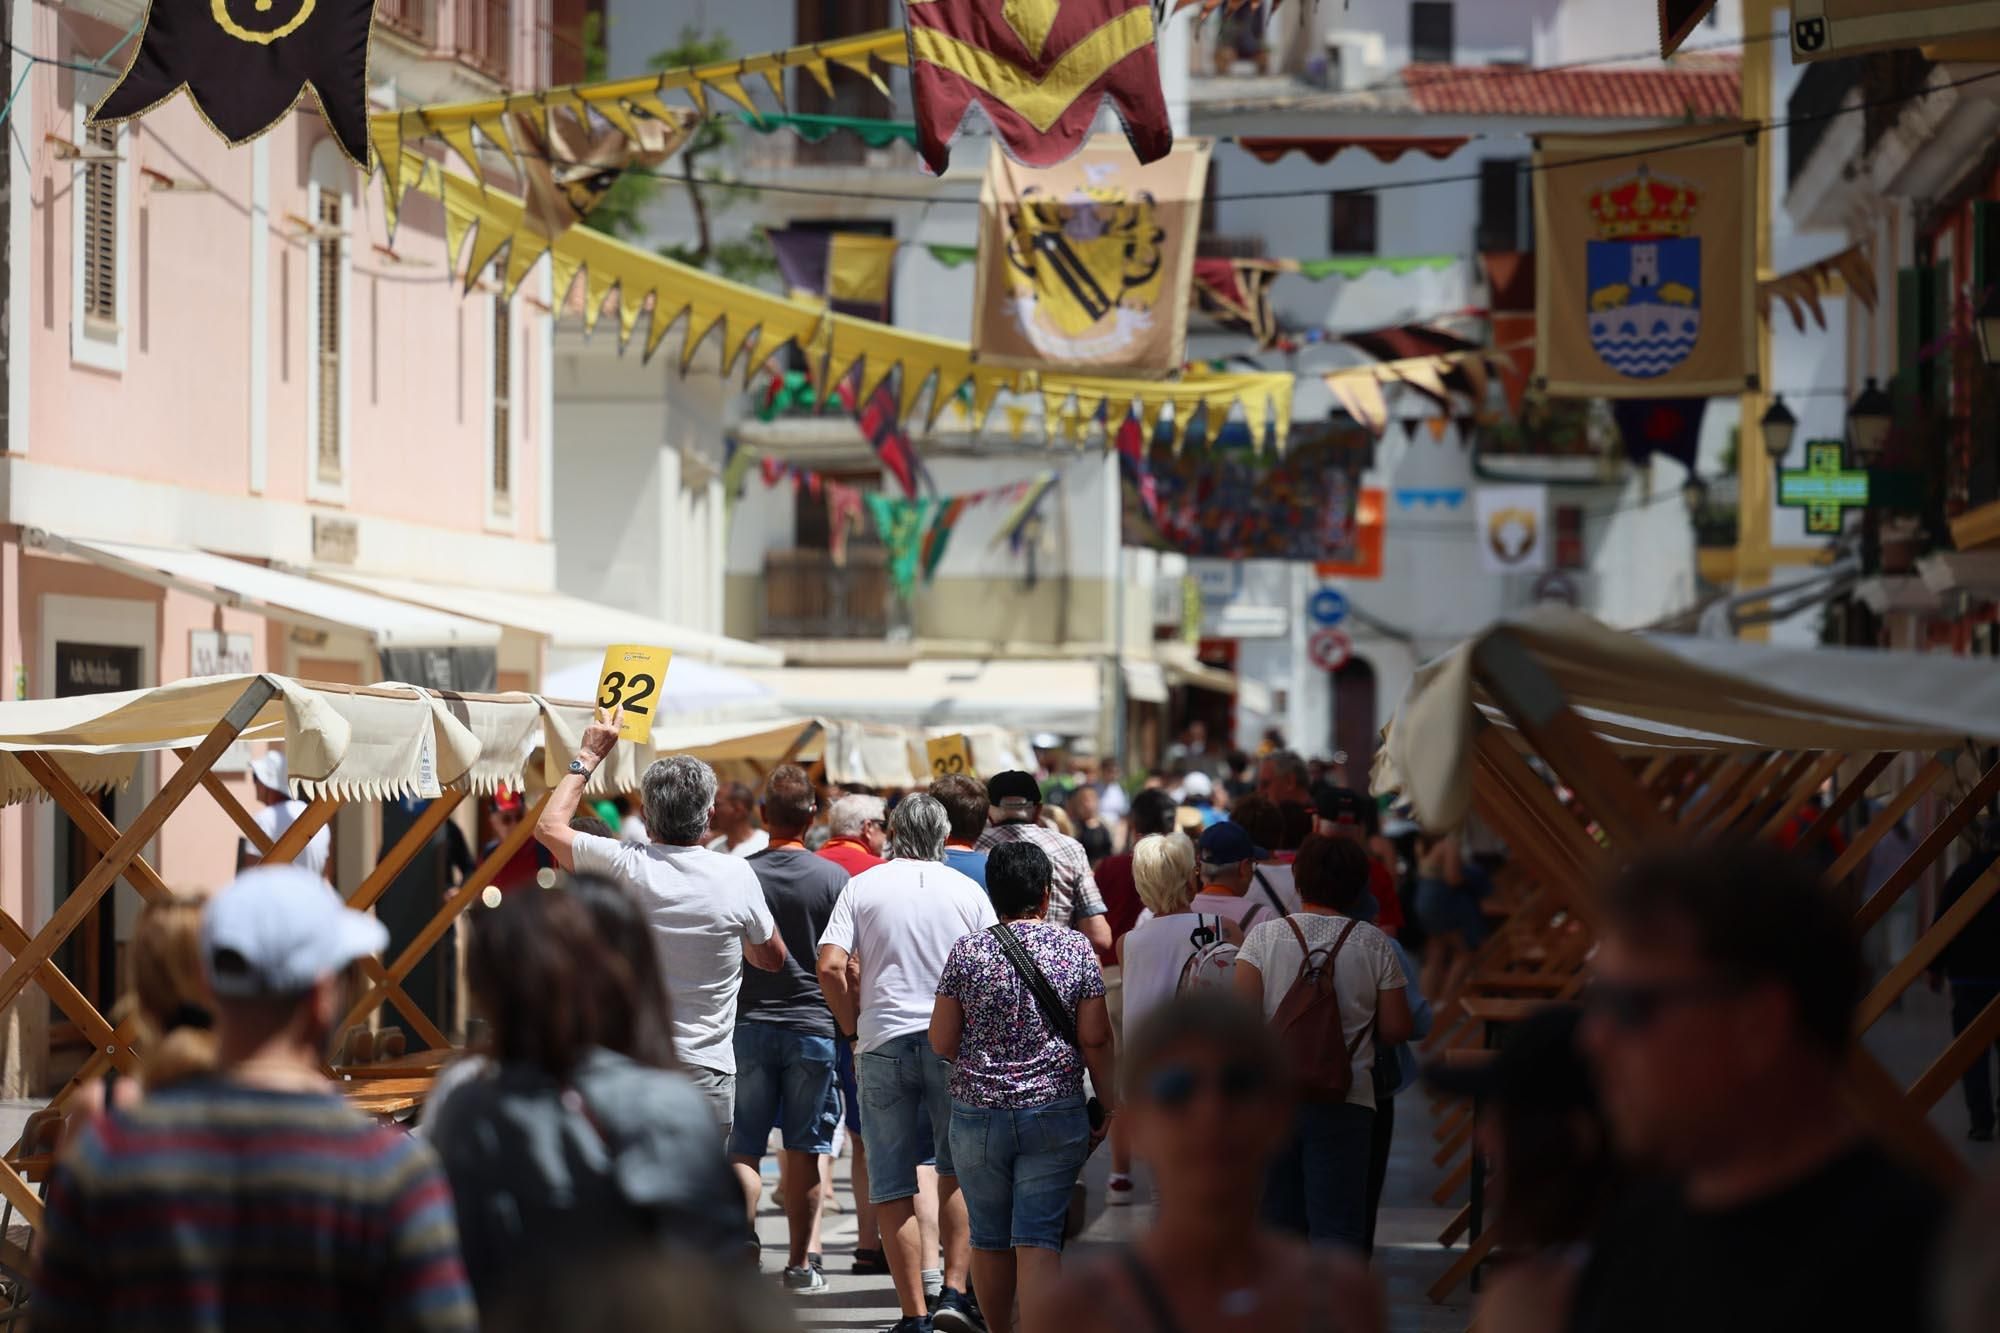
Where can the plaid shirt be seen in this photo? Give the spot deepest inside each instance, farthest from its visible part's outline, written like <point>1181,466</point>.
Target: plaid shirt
<point>1073,896</point>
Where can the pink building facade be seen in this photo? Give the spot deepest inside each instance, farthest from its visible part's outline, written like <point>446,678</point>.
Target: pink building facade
<point>215,351</point>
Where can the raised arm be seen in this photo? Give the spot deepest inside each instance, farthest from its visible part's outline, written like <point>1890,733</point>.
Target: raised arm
<point>552,830</point>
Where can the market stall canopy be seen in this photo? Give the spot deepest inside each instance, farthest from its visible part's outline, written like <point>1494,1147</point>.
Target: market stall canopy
<point>1061,696</point>
<point>278,595</point>
<point>694,689</point>
<point>360,742</point>
<point>567,622</point>
<point>1654,694</point>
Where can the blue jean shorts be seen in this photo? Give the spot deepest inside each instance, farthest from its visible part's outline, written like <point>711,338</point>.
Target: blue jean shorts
<point>1016,1168</point>
<point>788,1075</point>
<point>903,1093</point>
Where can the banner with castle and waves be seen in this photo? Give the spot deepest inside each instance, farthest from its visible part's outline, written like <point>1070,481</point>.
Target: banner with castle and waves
<point>1088,265</point>
<point>1647,276</point>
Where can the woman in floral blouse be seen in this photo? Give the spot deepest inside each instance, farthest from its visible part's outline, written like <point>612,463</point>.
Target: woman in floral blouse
<point>1019,1129</point>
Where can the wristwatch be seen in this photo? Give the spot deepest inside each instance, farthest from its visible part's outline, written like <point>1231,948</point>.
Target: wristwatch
<point>581,769</point>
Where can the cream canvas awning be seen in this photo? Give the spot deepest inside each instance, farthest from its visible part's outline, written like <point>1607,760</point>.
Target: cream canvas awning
<point>1061,696</point>
<point>567,622</point>
<point>281,596</point>
<point>1668,693</point>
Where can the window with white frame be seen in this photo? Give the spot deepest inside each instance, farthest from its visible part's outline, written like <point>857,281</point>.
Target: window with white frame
<point>102,186</point>
<point>329,214</point>
<point>502,444</point>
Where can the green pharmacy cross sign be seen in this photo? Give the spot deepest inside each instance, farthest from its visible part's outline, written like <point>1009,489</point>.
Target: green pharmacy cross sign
<point>1825,490</point>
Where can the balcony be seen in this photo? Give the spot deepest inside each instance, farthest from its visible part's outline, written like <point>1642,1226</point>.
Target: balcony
<point>481,39</point>
<point>415,19</point>
<point>806,596</point>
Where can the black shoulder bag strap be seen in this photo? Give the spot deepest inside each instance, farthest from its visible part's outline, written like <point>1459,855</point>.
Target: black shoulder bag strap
<point>1271,893</point>
<point>1058,1018</point>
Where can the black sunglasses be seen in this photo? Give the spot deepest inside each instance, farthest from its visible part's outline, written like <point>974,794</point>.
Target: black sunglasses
<point>1174,1086</point>
<point>1634,1007</point>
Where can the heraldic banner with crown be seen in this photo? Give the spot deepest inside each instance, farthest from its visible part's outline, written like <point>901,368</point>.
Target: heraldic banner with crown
<point>1647,277</point>
<point>1088,265</point>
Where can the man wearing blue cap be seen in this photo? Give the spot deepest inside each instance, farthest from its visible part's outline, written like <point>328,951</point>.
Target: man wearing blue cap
<point>1229,885</point>
<point>254,1196</point>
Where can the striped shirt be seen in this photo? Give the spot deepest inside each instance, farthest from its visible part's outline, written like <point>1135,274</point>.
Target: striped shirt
<point>214,1206</point>
<point>1073,894</point>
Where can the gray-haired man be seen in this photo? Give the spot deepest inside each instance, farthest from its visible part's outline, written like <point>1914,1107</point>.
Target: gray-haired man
<point>707,909</point>
<point>900,920</point>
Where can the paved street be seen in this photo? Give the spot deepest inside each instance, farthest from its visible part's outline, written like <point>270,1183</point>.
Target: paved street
<point>1408,1255</point>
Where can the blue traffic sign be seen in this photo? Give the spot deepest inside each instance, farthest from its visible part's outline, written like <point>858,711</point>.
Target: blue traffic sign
<point>1328,607</point>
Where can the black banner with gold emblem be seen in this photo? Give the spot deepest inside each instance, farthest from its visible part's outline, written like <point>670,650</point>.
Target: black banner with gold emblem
<point>245,62</point>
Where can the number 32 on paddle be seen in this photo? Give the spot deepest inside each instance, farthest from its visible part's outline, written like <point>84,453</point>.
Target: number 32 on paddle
<point>631,680</point>
<point>948,755</point>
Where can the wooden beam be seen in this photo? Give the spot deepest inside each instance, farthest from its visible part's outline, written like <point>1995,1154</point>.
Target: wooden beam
<point>1454,1145</point>
<point>1730,774</point>
<point>1846,800</point>
<point>1929,850</point>
<point>1765,777</point>
<point>461,898</point>
<point>1934,771</point>
<point>22,1195</point>
<point>1461,1268</point>
<point>1927,948</point>
<point>1967,1047</point>
<point>246,823</point>
<point>83,899</point>
<point>1452,1183</point>
<point>1779,792</point>
<point>1461,1222</point>
<point>300,833</point>
<point>1802,791</point>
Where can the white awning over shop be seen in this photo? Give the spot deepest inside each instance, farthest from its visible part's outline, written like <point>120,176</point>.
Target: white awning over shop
<point>567,622</point>
<point>1145,682</point>
<point>281,596</point>
<point>1184,668</point>
<point>1065,697</point>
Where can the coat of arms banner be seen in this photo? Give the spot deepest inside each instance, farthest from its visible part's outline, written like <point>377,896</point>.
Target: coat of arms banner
<point>1647,280</point>
<point>1088,265</point>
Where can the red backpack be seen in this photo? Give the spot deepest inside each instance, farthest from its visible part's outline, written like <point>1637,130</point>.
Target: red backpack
<point>1308,1023</point>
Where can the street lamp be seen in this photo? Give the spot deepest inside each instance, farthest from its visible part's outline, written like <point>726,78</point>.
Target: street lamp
<point>1780,427</point>
<point>1987,321</point>
<point>1869,421</point>
<point>1694,494</point>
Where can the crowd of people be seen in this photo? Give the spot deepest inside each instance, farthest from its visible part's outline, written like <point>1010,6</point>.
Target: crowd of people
<point>1221,972</point>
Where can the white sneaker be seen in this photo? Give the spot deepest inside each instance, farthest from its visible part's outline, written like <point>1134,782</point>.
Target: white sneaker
<point>1119,1191</point>
<point>806,1281</point>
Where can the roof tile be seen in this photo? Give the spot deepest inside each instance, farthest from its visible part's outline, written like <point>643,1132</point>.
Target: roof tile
<point>1709,88</point>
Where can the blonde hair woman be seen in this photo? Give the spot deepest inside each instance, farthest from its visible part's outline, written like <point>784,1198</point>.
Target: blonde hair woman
<point>1167,874</point>
<point>167,1003</point>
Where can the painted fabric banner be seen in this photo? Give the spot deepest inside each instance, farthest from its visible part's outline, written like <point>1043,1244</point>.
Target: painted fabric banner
<point>1038,69</point>
<point>1089,265</point>
<point>1513,529</point>
<point>244,65</point>
<point>1646,281</point>
<point>1231,503</point>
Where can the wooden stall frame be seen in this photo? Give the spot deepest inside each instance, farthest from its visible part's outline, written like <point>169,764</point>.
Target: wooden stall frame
<point>1637,806</point>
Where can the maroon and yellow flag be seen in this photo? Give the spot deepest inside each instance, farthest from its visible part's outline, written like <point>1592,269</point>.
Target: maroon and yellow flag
<point>1038,69</point>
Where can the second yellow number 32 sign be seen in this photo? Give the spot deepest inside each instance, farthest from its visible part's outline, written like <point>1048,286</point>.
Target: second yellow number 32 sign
<point>948,755</point>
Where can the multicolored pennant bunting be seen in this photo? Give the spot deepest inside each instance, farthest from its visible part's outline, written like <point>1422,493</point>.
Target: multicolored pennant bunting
<point>1038,69</point>
<point>853,271</point>
<point>1323,148</point>
<point>1803,288</point>
<point>901,525</point>
<point>1232,503</point>
<point>1237,293</point>
<point>817,129</point>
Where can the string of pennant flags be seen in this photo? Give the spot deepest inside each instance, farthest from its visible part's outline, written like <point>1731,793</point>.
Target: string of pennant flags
<point>916,531</point>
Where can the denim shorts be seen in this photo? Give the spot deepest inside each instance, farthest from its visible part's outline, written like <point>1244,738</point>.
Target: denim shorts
<point>788,1075</point>
<point>903,1093</point>
<point>1016,1169</point>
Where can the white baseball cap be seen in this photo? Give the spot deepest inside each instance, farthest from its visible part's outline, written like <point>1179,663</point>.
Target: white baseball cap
<point>269,770</point>
<point>277,930</point>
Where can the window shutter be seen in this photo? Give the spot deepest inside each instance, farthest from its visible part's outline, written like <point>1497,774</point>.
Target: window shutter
<point>100,228</point>
<point>1985,247</point>
<point>327,337</point>
<point>1910,288</point>
<point>503,479</point>
<point>1937,324</point>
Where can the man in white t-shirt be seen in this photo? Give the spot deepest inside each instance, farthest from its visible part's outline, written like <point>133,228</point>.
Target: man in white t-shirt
<point>899,920</point>
<point>278,812</point>
<point>1229,883</point>
<point>1318,1186</point>
<point>707,910</point>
